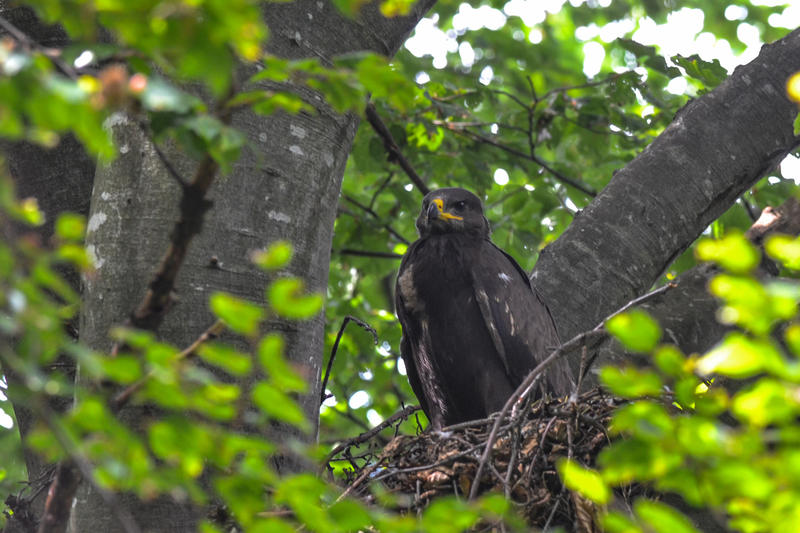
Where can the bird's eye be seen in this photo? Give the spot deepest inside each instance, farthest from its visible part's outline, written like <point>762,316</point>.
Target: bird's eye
<point>460,206</point>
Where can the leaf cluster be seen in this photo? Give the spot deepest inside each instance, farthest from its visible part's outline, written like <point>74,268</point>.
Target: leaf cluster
<point>726,436</point>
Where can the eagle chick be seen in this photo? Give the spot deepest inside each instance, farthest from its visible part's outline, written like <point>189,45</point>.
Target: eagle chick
<point>473,326</point>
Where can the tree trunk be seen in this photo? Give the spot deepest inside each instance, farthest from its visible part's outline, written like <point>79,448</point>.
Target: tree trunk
<point>285,186</point>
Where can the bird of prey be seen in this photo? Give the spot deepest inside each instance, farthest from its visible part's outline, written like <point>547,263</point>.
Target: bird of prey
<point>473,326</point>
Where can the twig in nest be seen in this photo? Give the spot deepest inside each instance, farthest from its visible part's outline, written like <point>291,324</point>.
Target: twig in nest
<point>435,464</point>
<point>364,437</point>
<point>346,320</point>
<point>524,388</point>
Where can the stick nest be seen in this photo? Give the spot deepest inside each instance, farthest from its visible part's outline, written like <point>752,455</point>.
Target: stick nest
<point>418,469</point>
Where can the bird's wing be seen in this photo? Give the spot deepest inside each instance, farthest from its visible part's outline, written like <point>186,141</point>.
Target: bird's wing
<point>518,322</point>
<point>412,334</point>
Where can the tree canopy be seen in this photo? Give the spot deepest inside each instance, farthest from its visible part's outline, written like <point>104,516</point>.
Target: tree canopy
<point>214,138</point>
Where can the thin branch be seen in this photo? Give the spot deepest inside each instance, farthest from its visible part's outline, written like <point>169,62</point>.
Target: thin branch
<point>51,53</point>
<point>352,418</point>
<point>586,85</point>
<point>367,253</point>
<point>121,399</point>
<point>335,348</point>
<point>377,217</point>
<point>171,170</point>
<point>365,474</point>
<point>532,87</point>
<point>391,146</point>
<point>403,414</point>
<point>451,125</point>
<point>380,188</point>
<point>751,210</point>
<point>506,196</point>
<point>524,387</point>
<point>532,157</point>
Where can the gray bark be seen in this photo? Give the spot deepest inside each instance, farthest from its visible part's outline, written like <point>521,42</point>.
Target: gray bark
<point>717,147</point>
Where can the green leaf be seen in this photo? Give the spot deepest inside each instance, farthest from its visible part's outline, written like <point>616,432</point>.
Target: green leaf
<point>271,525</point>
<point>644,419</point>
<point>635,329</point>
<point>627,460</point>
<point>226,357</point>
<point>159,95</point>
<point>123,369</point>
<point>70,227</point>
<point>279,405</point>
<point>629,382</point>
<point>449,514</point>
<point>733,252</point>
<point>671,361</point>
<point>226,148</point>
<point>286,295</point>
<point>289,103</point>
<point>637,49</point>
<point>283,376</point>
<point>747,303</point>
<point>792,336</point>
<point>303,493</point>
<point>28,211</point>
<point>276,255</point>
<point>74,254</point>
<point>396,8</point>
<point>784,249</point>
<point>349,7</point>
<point>350,515</point>
<point>739,356</point>
<point>240,315</point>
<point>710,73</point>
<point>739,477</point>
<point>616,522</point>
<point>662,518</point>
<point>766,403</point>
<point>584,481</point>
<point>699,436</point>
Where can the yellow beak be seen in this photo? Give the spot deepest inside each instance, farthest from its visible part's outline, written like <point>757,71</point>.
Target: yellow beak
<point>444,214</point>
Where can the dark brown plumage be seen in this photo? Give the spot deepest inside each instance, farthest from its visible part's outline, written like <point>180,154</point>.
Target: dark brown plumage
<point>473,326</point>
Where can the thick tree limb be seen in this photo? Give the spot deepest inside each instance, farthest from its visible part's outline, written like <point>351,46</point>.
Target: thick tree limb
<point>716,148</point>
<point>687,315</point>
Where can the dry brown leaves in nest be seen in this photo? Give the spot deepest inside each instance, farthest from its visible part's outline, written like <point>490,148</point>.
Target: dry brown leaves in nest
<point>418,469</point>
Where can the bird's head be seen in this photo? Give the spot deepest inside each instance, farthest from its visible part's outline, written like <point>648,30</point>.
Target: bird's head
<point>452,210</point>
